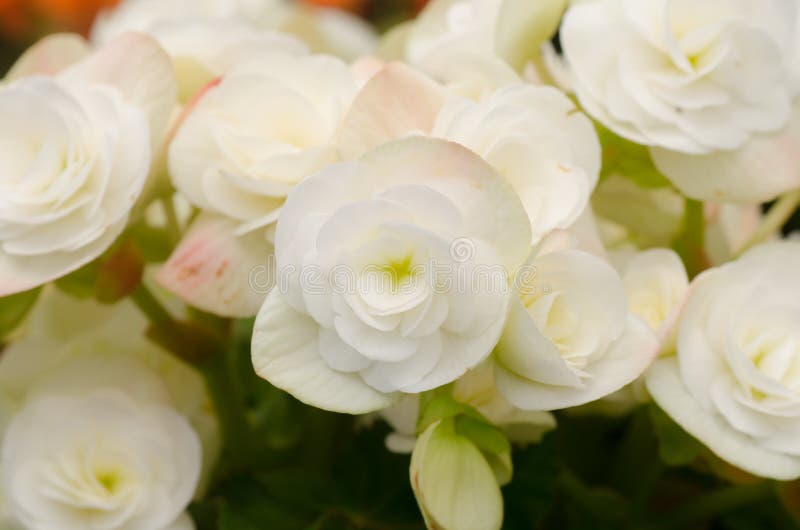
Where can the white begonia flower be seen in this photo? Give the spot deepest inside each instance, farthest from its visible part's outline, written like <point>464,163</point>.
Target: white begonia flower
<point>734,383</point>
<point>708,85</point>
<point>512,30</point>
<point>119,427</point>
<point>534,136</point>
<point>247,141</point>
<point>75,154</point>
<point>538,140</point>
<point>670,73</point>
<point>570,337</point>
<point>371,304</point>
<point>267,125</point>
<point>656,285</point>
<point>98,461</point>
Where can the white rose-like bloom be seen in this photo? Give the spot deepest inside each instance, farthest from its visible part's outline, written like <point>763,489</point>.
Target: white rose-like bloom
<point>267,125</point>
<point>689,76</point>
<point>538,140</point>
<point>708,85</point>
<point>107,431</point>
<point>98,461</point>
<point>365,248</point>
<point>570,338</point>
<point>734,384</point>
<point>75,154</point>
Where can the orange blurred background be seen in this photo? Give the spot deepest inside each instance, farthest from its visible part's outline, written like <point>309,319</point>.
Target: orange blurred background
<point>24,20</point>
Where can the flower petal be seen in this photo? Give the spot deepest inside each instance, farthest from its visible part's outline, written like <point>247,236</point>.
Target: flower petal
<point>217,271</point>
<point>666,386</point>
<point>395,102</point>
<point>50,55</point>
<point>285,352</point>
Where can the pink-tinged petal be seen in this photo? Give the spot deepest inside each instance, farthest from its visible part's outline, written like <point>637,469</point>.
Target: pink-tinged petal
<point>50,56</point>
<point>365,68</point>
<point>396,102</point>
<point>135,64</point>
<point>189,108</point>
<point>217,271</point>
<point>285,352</point>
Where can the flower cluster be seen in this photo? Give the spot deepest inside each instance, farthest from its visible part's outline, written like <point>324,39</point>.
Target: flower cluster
<point>454,225</point>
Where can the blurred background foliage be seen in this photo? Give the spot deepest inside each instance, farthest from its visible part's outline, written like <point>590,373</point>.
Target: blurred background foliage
<point>299,468</point>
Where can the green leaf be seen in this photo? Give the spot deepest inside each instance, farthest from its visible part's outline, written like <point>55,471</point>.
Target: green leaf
<point>530,496</point>
<point>629,160</point>
<point>676,447</point>
<point>442,407</point>
<point>81,283</point>
<point>14,309</point>
<point>248,505</point>
<point>155,244</point>
<point>483,434</point>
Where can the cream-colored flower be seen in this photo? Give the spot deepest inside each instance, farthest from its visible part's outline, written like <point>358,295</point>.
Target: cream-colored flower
<point>709,85</point>
<point>734,383</point>
<point>116,425</point>
<point>367,310</point>
<point>75,152</point>
<point>98,461</point>
<point>570,338</point>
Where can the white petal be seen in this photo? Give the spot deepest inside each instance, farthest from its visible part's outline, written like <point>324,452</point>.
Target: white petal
<point>286,353</point>
<point>762,169</point>
<point>21,273</point>
<point>395,102</point>
<point>136,65</point>
<point>491,210</point>
<point>666,386</point>
<point>50,55</point>
<point>626,359</point>
<point>525,351</point>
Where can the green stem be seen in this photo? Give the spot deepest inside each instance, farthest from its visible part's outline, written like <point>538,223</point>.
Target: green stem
<point>151,307</point>
<point>691,243</point>
<point>212,360</point>
<point>173,225</point>
<point>230,411</point>
<point>716,502</point>
<point>775,218</point>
